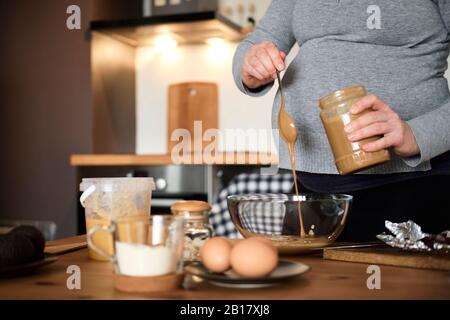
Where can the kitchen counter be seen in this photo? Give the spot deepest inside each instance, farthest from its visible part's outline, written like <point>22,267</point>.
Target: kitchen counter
<point>326,280</point>
<point>243,158</point>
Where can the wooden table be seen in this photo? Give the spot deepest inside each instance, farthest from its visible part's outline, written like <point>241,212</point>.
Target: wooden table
<point>326,280</point>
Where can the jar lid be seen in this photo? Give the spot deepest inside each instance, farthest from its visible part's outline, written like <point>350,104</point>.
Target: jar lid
<point>342,95</point>
<point>190,207</point>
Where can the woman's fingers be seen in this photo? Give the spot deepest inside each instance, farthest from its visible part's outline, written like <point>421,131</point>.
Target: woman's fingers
<point>366,120</point>
<point>369,102</point>
<point>265,59</point>
<point>374,129</point>
<point>380,144</point>
<point>257,65</point>
<point>262,63</point>
<point>276,56</point>
<point>253,72</point>
<point>393,137</point>
<point>382,121</point>
<point>389,140</point>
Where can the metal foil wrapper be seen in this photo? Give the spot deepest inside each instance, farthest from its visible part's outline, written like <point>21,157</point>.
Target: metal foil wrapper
<point>409,236</point>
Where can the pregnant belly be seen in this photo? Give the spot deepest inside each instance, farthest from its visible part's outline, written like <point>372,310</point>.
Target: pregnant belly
<point>410,81</point>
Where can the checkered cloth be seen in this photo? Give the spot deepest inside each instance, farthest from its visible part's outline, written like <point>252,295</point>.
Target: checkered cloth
<point>262,217</point>
<point>259,221</point>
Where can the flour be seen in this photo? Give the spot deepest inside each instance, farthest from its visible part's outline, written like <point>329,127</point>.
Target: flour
<point>139,260</point>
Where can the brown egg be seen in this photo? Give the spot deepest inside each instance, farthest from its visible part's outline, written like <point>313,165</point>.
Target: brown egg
<point>253,258</point>
<point>233,242</point>
<point>264,240</point>
<point>215,255</point>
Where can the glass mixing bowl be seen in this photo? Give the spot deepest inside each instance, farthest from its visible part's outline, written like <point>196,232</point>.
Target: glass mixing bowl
<point>276,217</point>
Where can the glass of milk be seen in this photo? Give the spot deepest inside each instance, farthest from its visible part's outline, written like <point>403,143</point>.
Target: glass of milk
<point>144,247</point>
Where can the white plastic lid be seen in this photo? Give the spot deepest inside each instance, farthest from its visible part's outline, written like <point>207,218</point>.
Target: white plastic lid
<point>118,184</point>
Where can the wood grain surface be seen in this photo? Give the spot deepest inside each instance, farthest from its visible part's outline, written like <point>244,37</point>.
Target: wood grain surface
<point>65,245</point>
<point>326,280</point>
<point>391,256</point>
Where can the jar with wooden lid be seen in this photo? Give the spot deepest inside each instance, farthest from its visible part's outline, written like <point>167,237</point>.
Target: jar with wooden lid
<point>197,228</point>
<point>335,114</point>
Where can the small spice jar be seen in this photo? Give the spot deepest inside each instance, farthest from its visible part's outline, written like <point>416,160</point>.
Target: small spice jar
<point>335,114</point>
<point>197,228</point>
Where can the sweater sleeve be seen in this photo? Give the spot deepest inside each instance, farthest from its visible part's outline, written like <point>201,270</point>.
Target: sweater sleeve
<point>276,26</point>
<point>432,130</point>
<point>432,133</point>
<point>444,9</point>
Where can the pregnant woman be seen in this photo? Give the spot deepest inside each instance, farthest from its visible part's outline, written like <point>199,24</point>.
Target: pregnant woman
<point>398,50</point>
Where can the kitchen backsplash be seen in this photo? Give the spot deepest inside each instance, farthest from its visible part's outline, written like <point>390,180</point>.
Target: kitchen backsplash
<point>156,70</point>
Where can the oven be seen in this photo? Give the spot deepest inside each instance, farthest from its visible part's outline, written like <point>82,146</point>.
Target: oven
<point>176,183</point>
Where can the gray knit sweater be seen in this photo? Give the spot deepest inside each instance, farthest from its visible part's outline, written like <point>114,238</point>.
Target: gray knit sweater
<point>397,49</point>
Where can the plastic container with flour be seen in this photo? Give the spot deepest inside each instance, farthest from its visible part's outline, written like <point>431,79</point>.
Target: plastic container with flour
<point>108,199</point>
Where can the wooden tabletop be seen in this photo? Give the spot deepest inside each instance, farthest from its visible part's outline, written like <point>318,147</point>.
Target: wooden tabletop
<point>238,158</point>
<point>326,280</point>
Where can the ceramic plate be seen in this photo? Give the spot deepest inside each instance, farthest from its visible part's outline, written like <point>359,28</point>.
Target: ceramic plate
<point>24,269</point>
<point>285,270</point>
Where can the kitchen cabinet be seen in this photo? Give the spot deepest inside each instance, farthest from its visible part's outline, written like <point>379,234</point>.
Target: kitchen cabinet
<point>239,11</point>
<point>46,104</point>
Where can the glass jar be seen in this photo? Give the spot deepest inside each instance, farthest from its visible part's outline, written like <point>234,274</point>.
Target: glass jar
<point>197,228</point>
<point>335,114</point>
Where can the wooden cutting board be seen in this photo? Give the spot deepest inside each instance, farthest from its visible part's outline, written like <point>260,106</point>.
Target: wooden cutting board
<point>390,256</point>
<point>190,102</point>
<point>58,247</point>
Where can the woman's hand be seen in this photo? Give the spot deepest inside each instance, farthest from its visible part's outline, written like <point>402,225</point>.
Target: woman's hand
<point>261,64</point>
<point>381,120</point>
